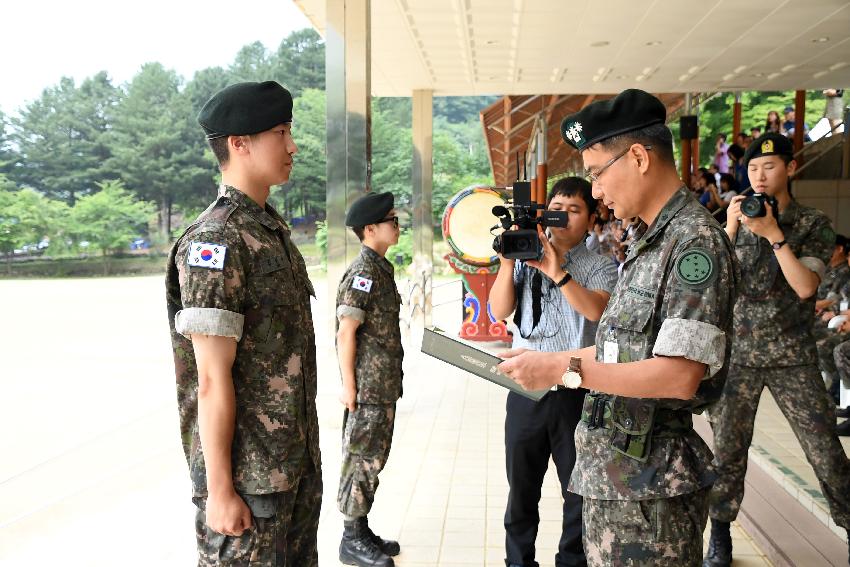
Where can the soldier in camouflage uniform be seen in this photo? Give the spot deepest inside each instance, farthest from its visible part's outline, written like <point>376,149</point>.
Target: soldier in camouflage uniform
<point>661,347</point>
<point>370,356</point>
<point>238,301</point>
<point>782,262</point>
<point>834,288</point>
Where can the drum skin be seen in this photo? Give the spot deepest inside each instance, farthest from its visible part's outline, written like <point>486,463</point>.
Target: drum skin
<point>467,221</point>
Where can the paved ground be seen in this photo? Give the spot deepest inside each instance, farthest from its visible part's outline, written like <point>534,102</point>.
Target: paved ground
<point>93,474</point>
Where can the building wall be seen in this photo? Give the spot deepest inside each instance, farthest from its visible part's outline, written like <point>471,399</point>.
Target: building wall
<point>832,196</point>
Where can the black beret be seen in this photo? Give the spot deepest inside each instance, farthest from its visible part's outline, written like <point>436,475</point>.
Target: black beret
<point>770,144</point>
<point>630,110</point>
<point>245,108</point>
<point>369,209</point>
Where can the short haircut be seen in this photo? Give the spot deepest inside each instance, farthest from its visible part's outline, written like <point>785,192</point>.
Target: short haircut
<point>359,231</point>
<point>571,187</point>
<point>843,241</point>
<point>730,180</point>
<point>658,136</point>
<point>709,178</point>
<point>219,150</point>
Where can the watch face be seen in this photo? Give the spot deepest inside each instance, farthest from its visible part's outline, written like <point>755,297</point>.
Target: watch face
<point>572,379</point>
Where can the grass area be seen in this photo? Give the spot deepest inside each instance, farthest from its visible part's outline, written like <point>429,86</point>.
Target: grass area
<point>84,267</point>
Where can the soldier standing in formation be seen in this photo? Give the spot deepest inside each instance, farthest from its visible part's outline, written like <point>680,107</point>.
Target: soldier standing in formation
<point>368,341</point>
<point>238,300</point>
<point>782,262</point>
<point>661,346</point>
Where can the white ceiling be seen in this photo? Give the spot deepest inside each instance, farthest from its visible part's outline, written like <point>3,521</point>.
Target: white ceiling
<point>471,47</point>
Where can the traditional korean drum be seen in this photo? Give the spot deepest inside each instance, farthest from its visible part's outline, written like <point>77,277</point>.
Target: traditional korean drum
<point>467,221</point>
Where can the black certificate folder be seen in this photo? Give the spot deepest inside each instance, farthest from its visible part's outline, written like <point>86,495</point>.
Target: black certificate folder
<point>475,361</point>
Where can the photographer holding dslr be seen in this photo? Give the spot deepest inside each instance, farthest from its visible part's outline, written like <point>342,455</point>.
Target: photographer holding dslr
<point>783,248</point>
<point>558,301</point>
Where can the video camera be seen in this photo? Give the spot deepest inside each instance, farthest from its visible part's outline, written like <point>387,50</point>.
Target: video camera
<point>522,243</point>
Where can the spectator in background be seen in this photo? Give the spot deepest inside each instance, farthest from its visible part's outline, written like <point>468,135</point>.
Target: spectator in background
<point>722,196</point>
<point>755,132</point>
<point>788,126</point>
<point>712,169</point>
<point>773,123</point>
<point>721,158</point>
<point>834,111</point>
<point>710,185</point>
<point>741,140</point>
<point>739,170</point>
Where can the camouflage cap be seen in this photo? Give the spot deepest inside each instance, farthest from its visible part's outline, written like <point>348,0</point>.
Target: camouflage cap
<point>245,108</point>
<point>630,110</point>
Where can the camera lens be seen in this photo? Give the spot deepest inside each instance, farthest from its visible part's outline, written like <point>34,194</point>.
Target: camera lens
<point>522,244</point>
<point>752,207</point>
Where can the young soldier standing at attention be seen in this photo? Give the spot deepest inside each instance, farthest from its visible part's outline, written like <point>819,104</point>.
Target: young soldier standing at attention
<point>661,347</point>
<point>558,302</point>
<point>782,262</point>
<point>368,342</point>
<point>238,300</point>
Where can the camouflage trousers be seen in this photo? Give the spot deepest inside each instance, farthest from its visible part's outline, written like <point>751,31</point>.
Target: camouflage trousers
<point>367,434</point>
<point>805,403</point>
<point>645,533</point>
<point>282,533</point>
<point>827,340</point>
<point>841,356</point>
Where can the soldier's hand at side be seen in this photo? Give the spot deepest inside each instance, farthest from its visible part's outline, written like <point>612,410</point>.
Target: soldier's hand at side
<point>227,513</point>
<point>348,397</point>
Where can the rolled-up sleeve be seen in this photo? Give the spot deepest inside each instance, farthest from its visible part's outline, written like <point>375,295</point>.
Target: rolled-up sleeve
<point>212,299</point>
<point>209,321</point>
<point>694,340</point>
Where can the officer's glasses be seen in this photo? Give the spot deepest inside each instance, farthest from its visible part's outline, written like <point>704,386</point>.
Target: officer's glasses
<point>593,176</point>
<point>393,220</point>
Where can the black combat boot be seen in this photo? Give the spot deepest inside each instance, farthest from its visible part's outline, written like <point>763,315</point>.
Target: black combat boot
<point>719,546</point>
<point>357,548</point>
<point>388,546</point>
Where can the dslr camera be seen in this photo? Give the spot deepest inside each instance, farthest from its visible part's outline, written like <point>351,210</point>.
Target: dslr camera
<point>756,206</point>
<point>522,243</point>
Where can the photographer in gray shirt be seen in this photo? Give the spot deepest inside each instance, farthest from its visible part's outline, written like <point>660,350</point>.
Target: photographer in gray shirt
<point>558,301</point>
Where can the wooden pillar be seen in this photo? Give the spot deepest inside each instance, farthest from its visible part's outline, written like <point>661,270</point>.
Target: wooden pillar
<point>695,165</point>
<point>799,119</point>
<point>686,162</point>
<point>736,118</point>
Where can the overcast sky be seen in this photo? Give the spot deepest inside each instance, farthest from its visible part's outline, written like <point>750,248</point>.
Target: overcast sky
<point>44,40</point>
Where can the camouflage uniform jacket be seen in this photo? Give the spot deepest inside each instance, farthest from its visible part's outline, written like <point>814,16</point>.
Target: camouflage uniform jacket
<point>773,326</point>
<point>834,280</point>
<point>368,293</point>
<point>259,294</point>
<point>674,298</point>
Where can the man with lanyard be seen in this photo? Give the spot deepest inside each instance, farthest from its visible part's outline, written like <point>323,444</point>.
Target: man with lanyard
<point>560,300</point>
<point>660,352</point>
<point>782,262</point>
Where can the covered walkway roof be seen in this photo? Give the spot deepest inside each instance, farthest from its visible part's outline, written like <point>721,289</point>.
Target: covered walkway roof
<point>528,47</point>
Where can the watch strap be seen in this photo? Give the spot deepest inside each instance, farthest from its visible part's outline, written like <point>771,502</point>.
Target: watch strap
<point>567,277</point>
<point>778,245</point>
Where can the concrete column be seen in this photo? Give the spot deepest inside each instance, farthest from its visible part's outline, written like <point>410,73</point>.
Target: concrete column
<point>423,223</point>
<point>349,138</point>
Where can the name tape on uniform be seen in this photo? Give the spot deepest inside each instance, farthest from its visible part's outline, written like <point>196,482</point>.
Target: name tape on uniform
<point>206,255</point>
<point>362,284</point>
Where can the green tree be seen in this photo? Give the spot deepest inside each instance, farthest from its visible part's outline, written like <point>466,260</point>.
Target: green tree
<point>110,218</point>
<point>157,146</point>
<point>204,84</point>
<point>7,155</point>
<point>304,195</point>
<point>252,63</point>
<point>299,62</point>
<point>61,137</point>
<point>27,217</point>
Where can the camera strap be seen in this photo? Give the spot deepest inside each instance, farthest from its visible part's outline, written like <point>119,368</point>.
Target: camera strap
<point>536,304</point>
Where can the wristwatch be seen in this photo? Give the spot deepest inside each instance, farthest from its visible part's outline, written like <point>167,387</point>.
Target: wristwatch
<point>567,277</point>
<point>572,377</point>
<point>778,245</point>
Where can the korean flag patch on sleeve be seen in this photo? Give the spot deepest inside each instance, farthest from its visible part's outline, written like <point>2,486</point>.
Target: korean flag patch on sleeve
<point>207,255</point>
<point>362,284</point>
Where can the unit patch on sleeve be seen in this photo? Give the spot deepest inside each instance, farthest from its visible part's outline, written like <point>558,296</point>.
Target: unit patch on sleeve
<point>696,268</point>
<point>206,255</point>
<point>362,284</point>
